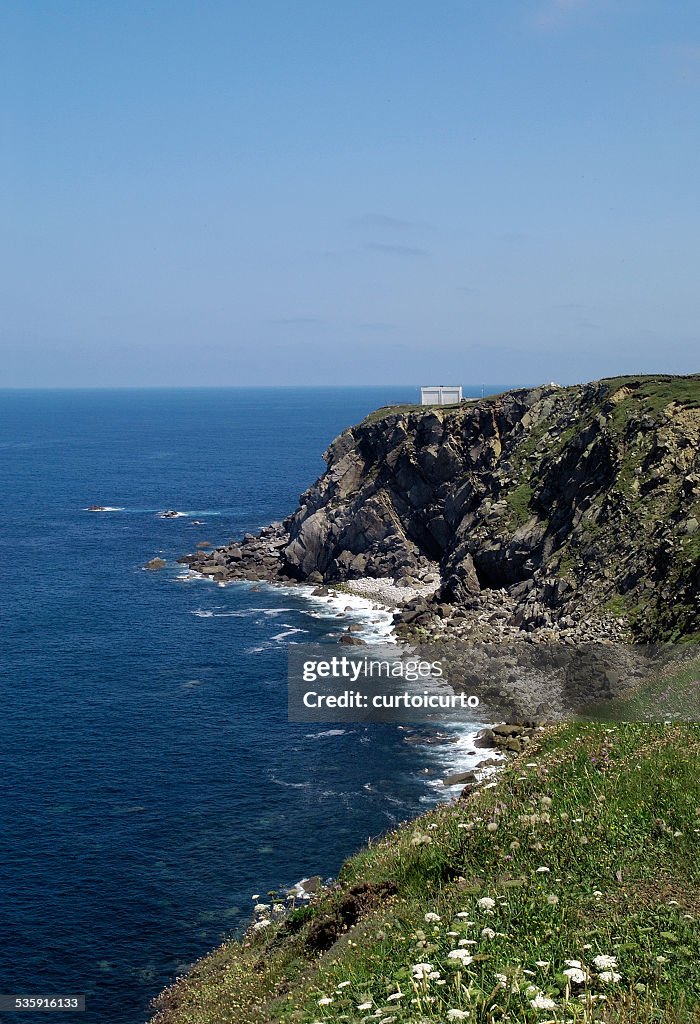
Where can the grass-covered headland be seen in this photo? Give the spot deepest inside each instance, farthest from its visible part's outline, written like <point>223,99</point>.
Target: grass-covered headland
<point>566,890</point>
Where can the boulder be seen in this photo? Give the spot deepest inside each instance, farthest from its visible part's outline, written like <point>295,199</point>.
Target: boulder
<point>508,730</point>
<point>485,739</point>
<point>311,885</point>
<point>459,777</point>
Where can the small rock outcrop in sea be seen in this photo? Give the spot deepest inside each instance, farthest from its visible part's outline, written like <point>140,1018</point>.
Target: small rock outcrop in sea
<point>550,513</point>
<point>156,563</point>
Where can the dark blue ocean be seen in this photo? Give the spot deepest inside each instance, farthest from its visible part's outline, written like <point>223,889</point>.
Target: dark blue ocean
<point>150,780</point>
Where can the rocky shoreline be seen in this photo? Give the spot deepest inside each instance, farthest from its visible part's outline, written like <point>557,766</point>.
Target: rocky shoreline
<point>493,615</point>
<point>259,558</point>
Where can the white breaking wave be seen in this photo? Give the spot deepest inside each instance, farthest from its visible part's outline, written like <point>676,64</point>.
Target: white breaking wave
<point>288,631</point>
<point>377,622</point>
<point>243,613</point>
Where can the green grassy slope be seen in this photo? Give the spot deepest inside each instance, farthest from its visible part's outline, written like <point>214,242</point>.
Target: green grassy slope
<point>585,847</point>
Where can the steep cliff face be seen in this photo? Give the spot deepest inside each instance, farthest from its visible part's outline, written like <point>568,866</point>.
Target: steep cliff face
<point>574,501</point>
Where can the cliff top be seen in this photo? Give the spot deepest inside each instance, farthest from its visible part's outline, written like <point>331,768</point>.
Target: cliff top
<point>657,390</point>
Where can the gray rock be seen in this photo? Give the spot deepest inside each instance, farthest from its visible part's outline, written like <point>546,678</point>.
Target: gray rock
<point>459,777</point>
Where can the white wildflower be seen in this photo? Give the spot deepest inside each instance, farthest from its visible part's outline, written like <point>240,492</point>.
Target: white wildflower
<point>264,922</point>
<point>421,971</point>
<point>364,1006</point>
<point>260,908</point>
<point>604,962</point>
<point>609,977</point>
<point>543,1002</point>
<point>576,975</point>
<point>488,933</point>
<point>344,984</point>
<point>542,871</point>
<point>325,1001</point>
<point>457,1014</point>
<point>486,903</point>
<point>394,996</point>
<point>461,955</point>
<point>430,917</point>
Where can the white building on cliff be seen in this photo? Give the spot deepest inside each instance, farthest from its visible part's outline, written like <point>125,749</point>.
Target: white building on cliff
<point>441,394</point>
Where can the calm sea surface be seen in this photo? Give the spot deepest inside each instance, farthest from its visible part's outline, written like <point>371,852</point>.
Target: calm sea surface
<point>150,780</point>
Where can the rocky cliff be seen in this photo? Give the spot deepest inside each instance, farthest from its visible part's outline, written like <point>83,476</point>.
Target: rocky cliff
<point>549,511</point>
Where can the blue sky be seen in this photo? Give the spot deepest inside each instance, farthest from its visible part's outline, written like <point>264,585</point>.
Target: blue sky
<point>369,192</point>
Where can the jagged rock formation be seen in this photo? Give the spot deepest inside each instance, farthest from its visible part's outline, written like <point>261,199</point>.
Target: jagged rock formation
<point>542,508</point>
